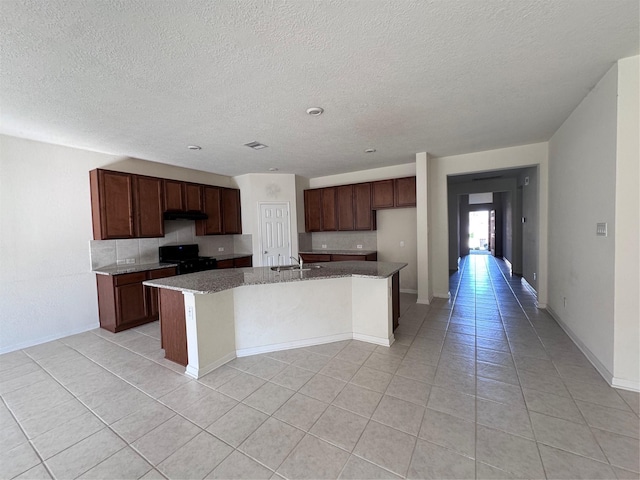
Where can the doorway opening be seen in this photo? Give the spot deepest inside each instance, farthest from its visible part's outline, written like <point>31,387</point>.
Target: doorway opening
<point>479,232</point>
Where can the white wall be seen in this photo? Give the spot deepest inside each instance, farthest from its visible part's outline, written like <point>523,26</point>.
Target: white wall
<point>582,192</point>
<point>440,167</point>
<point>267,187</point>
<point>530,241</point>
<point>396,226</point>
<point>626,361</point>
<point>47,290</point>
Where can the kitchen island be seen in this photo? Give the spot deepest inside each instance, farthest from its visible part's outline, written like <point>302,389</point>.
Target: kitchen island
<point>209,318</point>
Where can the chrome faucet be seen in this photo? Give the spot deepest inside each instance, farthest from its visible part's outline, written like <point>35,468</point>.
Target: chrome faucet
<point>298,260</point>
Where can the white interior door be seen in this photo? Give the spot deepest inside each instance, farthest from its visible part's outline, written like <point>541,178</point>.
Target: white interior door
<point>275,234</point>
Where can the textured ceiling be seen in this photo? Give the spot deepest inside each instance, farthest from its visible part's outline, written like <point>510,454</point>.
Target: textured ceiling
<point>146,78</point>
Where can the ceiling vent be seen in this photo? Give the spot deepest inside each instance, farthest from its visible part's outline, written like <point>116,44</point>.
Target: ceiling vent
<point>255,145</point>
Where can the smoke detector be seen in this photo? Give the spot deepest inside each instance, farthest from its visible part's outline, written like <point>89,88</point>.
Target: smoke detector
<point>315,111</point>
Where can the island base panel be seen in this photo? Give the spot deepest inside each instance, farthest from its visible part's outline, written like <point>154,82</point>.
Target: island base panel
<point>173,323</point>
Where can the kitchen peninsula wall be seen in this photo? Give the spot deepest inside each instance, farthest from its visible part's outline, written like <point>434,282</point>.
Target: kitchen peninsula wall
<point>105,253</point>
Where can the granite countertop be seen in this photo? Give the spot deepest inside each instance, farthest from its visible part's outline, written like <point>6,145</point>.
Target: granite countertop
<point>338,252</point>
<point>213,281</point>
<point>131,268</point>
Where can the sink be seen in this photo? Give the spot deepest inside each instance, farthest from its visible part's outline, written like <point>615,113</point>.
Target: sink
<point>289,268</point>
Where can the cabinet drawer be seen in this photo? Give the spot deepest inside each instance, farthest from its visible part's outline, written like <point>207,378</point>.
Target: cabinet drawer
<point>225,263</point>
<point>315,257</point>
<point>243,262</point>
<point>161,273</point>
<point>128,278</point>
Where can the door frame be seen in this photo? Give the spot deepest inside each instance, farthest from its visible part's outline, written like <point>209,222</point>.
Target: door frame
<point>260,236</point>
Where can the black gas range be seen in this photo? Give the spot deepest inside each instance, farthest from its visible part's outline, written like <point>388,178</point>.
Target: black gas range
<point>187,258</point>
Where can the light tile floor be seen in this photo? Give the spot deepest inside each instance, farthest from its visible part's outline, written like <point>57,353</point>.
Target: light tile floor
<point>484,386</point>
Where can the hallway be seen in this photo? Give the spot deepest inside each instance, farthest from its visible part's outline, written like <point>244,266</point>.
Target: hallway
<point>482,386</point>
<point>546,388</point>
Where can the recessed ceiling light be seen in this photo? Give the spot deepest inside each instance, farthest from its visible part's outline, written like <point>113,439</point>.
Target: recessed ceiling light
<point>194,147</point>
<point>370,150</point>
<point>315,111</point>
<point>255,145</point>
<point>273,169</point>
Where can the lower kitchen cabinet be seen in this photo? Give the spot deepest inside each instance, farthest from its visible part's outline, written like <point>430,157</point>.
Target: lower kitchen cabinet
<point>123,302</point>
<point>235,262</point>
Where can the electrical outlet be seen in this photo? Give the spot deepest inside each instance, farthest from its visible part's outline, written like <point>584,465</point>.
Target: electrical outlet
<point>402,243</point>
<point>359,246</point>
<point>324,245</point>
<point>535,275</point>
<point>221,249</point>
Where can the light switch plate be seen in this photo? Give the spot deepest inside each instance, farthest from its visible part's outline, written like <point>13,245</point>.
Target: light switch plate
<point>359,246</point>
<point>601,229</point>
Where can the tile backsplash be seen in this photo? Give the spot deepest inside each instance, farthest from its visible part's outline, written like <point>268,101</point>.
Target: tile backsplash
<point>107,253</point>
<point>344,240</point>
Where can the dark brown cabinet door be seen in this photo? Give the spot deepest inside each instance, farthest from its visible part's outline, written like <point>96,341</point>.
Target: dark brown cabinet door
<point>228,263</point>
<point>174,196</point>
<point>212,198</point>
<point>111,204</point>
<point>193,197</point>
<point>329,219</point>
<point>313,210</point>
<point>149,203</point>
<point>405,192</point>
<point>131,302</point>
<point>382,194</point>
<point>363,215</point>
<point>344,195</point>
<point>231,220</point>
<point>243,262</point>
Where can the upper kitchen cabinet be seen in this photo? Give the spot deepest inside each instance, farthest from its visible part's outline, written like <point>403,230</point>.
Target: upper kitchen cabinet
<point>364,216</point>
<point>313,210</point>
<point>148,206</point>
<point>193,197</point>
<point>125,205</point>
<point>394,193</point>
<point>182,196</point>
<point>329,210</point>
<point>231,213</point>
<point>212,206</point>
<point>405,192</point>
<point>383,194</point>
<point>112,204</point>
<point>174,196</point>
<point>344,199</point>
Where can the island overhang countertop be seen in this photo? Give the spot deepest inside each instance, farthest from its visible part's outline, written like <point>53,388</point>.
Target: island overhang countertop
<point>213,281</point>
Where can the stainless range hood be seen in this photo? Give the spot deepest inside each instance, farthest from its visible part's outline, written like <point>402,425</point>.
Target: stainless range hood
<point>188,215</point>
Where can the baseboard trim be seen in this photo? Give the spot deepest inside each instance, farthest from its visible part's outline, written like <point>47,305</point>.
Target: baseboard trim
<point>408,290</point>
<point>196,373</point>
<point>602,370</point>
<point>50,338</point>
<point>623,384</point>
<point>375,340</point>
<point>307,342</point>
